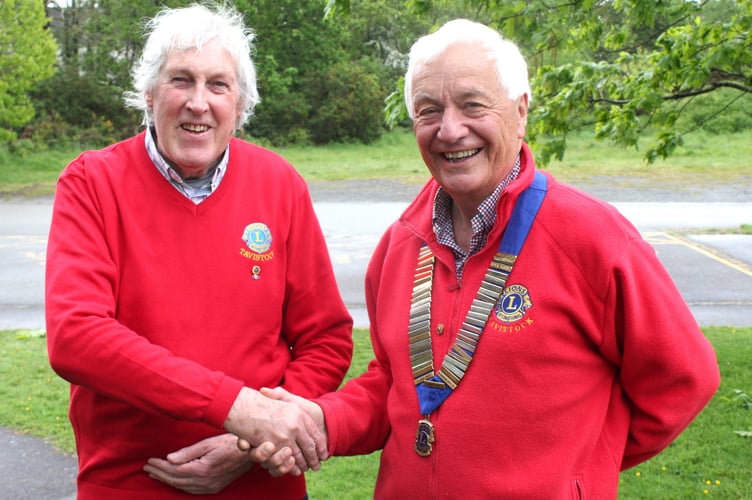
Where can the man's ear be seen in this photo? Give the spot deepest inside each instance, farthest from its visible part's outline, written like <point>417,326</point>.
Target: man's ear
<point>522,108</point>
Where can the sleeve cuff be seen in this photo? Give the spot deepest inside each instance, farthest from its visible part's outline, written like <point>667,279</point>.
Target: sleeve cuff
<point>219,407</point>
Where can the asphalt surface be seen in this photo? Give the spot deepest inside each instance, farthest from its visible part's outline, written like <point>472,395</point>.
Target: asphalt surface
<point>713,271</point>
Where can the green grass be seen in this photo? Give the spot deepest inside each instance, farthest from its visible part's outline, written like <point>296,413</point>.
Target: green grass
<point>704,159</point>
<point>32,174</point>
<point>393,156</point>
<point>709,460</point>
<point>742,229</point>
<point>34,399</point>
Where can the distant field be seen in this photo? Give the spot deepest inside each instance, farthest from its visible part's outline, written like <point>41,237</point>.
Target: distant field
<point>704,159</point>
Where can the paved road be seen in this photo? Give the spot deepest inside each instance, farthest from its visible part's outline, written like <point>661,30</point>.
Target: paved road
<point>713,272</point>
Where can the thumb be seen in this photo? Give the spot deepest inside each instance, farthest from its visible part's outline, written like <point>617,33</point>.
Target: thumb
<point>243,445</point>
<point>187,454</point>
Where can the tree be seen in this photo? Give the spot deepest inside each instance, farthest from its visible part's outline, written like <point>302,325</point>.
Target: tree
<point>99,42</point>
<point>296,51</point>
<point>319,81</point>
<point>27,56</point>
<point>619,67</point>
<point>652,65</point>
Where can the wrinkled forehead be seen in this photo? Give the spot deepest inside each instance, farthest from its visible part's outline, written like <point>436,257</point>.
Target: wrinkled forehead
<point>466,65</point>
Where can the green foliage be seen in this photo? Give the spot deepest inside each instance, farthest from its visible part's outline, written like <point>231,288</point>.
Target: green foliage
<point>618,68</point>
<point>643,73</point>
<point>281,116</point>
<point>623,67</point>
<point>82,103</point>
<point>330,88</point>
<point>347,104</point>
<point>74,108</point>
<point>27,55</point>
<point>284,73</point>
<point>395,112</point>
<point>112,40</point>
<point>320,81</point>
<point>723,112</point>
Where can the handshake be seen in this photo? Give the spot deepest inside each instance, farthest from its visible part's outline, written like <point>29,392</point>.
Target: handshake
<point>282,432</point>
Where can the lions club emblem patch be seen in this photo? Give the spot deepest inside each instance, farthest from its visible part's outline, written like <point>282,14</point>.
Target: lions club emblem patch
<point>258,237</point>
<point>513,304</point>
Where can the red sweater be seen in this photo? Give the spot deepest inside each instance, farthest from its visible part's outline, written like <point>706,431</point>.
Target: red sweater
<point>155,319</point>
<point>601,370</point>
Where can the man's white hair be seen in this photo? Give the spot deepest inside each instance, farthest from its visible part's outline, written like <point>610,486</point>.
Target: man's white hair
<point>510,64</point>
<point>190,28</point>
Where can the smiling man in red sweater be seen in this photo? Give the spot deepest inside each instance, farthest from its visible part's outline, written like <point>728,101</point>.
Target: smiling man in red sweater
<point>185,270</point>
<point>528,341</point>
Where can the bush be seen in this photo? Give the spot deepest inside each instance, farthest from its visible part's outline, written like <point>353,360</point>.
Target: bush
<point>73,109</point>
<point>50,131</point>
<point>339,103</point>
<point>347,103</point>
<point>282,115</point>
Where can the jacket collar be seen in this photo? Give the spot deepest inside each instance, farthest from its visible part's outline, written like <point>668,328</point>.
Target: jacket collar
<point>417,217</point>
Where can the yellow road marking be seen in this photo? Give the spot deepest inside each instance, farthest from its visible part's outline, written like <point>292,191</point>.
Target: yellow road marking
<point>661,238</point>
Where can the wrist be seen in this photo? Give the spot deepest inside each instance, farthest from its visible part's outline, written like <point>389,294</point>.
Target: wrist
<point>245,405</point>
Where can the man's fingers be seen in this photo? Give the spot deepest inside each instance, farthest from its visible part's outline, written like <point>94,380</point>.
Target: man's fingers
<point>278,393</point>
<point>320,446</point>
<point>281,463</point>
<point>277,463</point>
<point>309,446</point>
<point>261,453</point>
<point>301,461</point>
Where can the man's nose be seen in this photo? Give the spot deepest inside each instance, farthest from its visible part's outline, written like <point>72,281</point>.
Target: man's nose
<point>452,125</point>
<point>198,99</point>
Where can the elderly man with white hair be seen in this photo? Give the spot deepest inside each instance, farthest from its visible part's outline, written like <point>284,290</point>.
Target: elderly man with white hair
<point>186,269</point>
<point>528,342</point>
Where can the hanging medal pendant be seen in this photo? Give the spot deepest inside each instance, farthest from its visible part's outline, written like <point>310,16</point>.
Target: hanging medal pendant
<point>424,438</point>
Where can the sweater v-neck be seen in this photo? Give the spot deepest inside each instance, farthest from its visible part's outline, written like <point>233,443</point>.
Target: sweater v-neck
<point>196,209</point>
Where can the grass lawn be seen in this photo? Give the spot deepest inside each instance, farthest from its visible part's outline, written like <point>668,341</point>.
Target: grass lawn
<point>711,459</point>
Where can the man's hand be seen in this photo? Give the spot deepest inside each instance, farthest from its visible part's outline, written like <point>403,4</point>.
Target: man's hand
<point>282,461</point>
<point>308,406</point>
<point>257,420</point>
<point>207,466</point>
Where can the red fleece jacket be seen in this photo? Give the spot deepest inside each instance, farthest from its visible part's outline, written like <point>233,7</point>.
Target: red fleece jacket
<point>601,369</point>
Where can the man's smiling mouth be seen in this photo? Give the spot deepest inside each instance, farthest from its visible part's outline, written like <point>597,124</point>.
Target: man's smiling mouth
<point>461,155</point>
<point>190,127</point>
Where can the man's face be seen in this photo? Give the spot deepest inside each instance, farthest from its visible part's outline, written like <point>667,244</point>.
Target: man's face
<point>468,131</point>
<point>196,103</point>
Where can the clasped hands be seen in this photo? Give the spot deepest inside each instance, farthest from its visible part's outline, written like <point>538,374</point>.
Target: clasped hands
<point>285,434</point>
<point>282,432</point>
